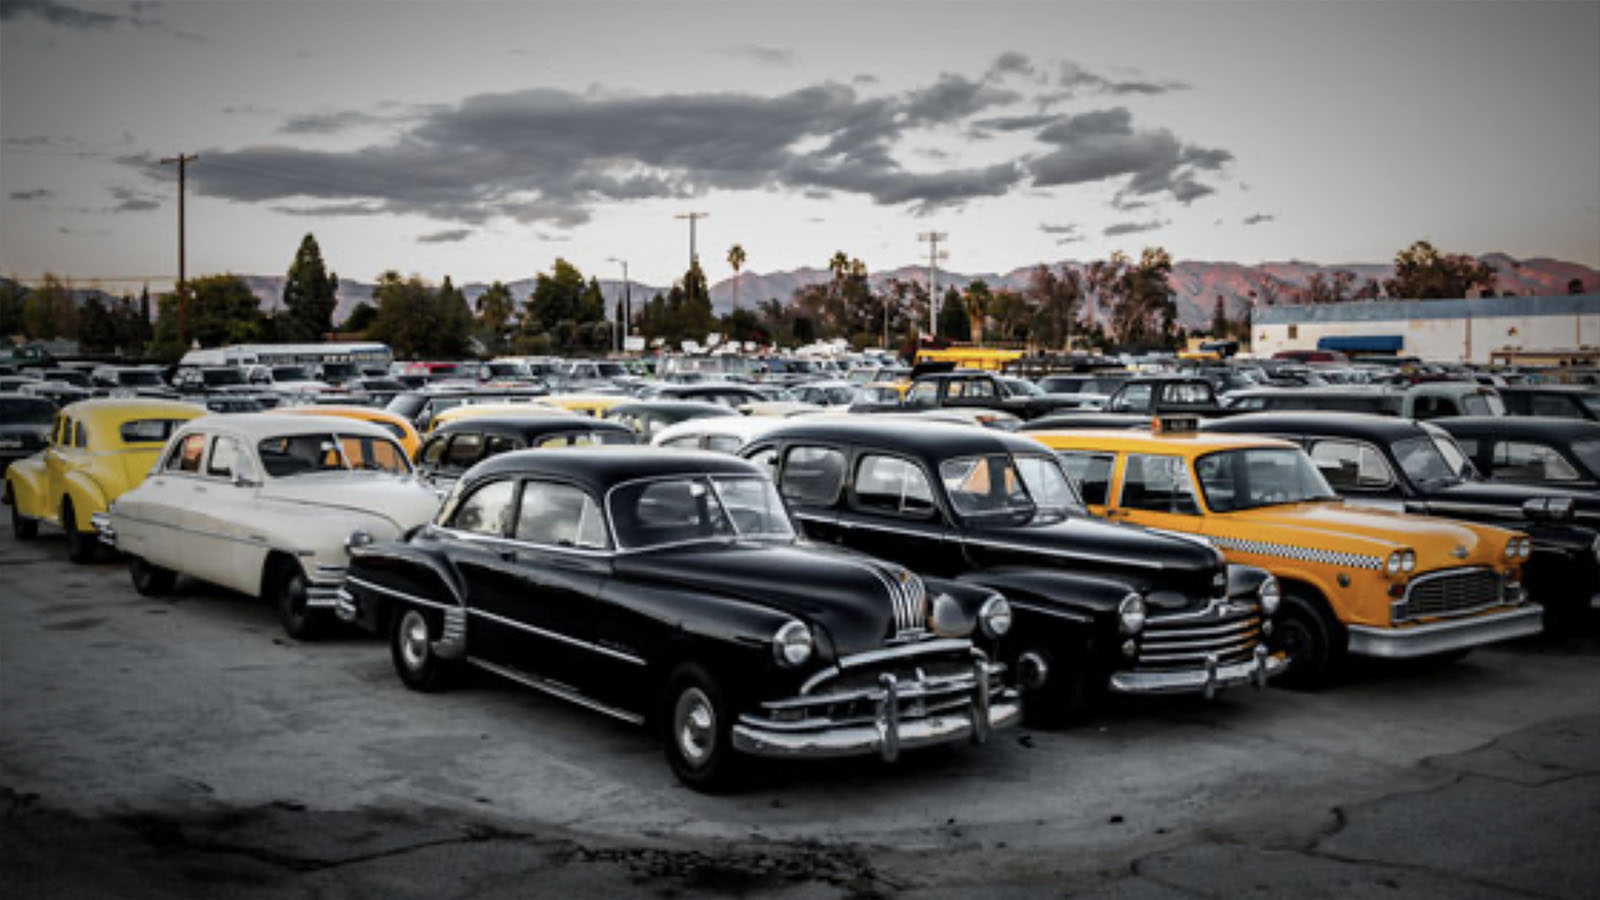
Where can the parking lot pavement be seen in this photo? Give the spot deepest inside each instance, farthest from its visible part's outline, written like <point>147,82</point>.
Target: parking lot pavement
<point>184,747</point>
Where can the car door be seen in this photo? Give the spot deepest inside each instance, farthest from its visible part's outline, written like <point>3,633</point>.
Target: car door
<point>1156,490</point>
<point>811,480</point>
<point>229,514</point>
<point>57,460</point>
<point>476,538</point>
<point>155,526</point>
<point>890,512</point>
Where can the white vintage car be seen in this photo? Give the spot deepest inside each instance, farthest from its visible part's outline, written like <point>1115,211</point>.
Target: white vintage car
<point>267,505</point>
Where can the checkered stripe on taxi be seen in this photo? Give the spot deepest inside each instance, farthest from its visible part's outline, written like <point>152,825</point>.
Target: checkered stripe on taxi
<point>1305,554</point>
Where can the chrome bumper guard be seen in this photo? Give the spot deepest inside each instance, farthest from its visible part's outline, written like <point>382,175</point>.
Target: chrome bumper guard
<point>1208,679</point>
<point>344,605</point>
<point>102,525</point>
<point>326,587</point>
<point>1442,637</point>
<point>907,714</point>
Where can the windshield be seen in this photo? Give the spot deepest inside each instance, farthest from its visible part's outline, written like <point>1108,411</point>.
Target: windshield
<point>693,508</point>
<point>1000,485</point>
<point>290,373</point>
<point>222,376</point>
<point>70,376</point>
<point>1263,476</point>
<point>1020,388</point>
<point>1591,402</point>
<point>1423,463</point>
<point>299,454</point>
<point>139,378</point>
<point>1588,452</point>
<point>612,370</point>
<point>29,411</point>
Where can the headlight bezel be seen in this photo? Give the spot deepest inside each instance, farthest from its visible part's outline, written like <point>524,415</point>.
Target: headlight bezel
<point>995,617</point>
<point>793,635</point>
<point>1392,564</point>
<point>1408,561</point>
<point>1269,595</point>
<point>1131,614</point>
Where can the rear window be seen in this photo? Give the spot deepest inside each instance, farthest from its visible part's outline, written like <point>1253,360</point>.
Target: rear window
<point>149,431</point>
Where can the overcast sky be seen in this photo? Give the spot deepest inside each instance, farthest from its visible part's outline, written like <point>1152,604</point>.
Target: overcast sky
<point>482,140</point>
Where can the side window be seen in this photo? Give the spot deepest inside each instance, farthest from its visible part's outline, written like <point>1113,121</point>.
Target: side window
<point>893,485</point>
<point>1158,484</point>
<point>560,515</point>
<point>723,443</point>
<point>1134,398</point>
<point>465,448</point>
<point>1524,461</point>
<point>768,460</point>
<point>1091,472</point>
<point>812,476</point>
<point>224,452</point>
<point>186,456</point>
<point>1346,464</point>
<point>923,393</point>
<point>433,451</point>
<point>1555,405</point>
<point>686,442</point>
<point>500,444</point>
<point>80,438</point>
<point>487,510</point>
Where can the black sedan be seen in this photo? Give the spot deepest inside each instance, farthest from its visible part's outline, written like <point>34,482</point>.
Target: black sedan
<point>669,589</point>
<point>457,446</point>
<point>1411,466</point>
<point>1100,606</point>
<point>1552,452</point>
<point>24,426</point>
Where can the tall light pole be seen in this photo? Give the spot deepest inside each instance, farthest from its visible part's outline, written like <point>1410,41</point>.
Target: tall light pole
<point>932,239</point>
<point>182,162</point>
<point>627,301</point>
<point>692,217</point>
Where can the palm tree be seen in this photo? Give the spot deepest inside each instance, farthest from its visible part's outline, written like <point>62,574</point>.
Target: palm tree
<point>736,259</point>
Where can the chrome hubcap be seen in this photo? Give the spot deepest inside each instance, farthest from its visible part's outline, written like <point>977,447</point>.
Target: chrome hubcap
<point>413,640</point>
<point>695,726</point>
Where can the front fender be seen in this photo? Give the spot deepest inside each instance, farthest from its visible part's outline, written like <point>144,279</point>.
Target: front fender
<point>386,575</point>
<point>1244,581</point>
<point>88,497</point>
<point>25,479</point>
<point>1053,591</point>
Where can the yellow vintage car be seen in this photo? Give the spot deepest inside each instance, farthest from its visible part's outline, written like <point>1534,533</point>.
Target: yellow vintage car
<point>591,405</point>
<point>1355,580</point>
<point>479,410</point>
<point>98,450</point>
<point>398,425</point>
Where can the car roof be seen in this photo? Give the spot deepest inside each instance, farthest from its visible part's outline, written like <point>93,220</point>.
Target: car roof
<point>1539,426</point>
<point>1189,444</point>
<point>100,409</point>
<point>1365,425</point>
<point>598,469</point>
<point>1547,388</point>
<point>261,425</point>
<point>904,434</point>
<point>529,426</point>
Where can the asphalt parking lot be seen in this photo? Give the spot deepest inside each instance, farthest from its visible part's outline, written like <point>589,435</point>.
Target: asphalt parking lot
<point>184,747</point>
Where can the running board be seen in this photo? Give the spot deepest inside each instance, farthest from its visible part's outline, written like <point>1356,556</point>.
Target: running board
<point>556,689</point>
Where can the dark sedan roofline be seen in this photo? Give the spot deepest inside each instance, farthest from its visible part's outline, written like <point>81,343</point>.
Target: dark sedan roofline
<point>526,426</point>
<point>1349,424</point>
<point>600,468</point>
<point>1521,425</point>
<point>906,434</point>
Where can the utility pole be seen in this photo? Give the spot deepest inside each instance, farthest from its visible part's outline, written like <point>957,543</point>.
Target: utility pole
<point>932,239</point>
<point>693,217</point>
<point>182,162</point>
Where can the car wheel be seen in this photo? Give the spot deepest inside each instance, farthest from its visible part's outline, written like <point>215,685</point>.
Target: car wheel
<point>148,579</point>
<point>300,621</point>
<point>81,545</point>
<point>24,527</point>
<point>697,730</point>
<point>411,649</point>
<point>1309,638</point>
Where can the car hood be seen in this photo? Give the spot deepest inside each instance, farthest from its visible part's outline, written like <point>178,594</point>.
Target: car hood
<point>1339,526</point>
<point>1093,545</point>
<point>846,593</point>
<point>402,499</point>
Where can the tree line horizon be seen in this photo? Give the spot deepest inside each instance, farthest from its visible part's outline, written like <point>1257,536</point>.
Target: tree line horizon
<point>1114,304</point>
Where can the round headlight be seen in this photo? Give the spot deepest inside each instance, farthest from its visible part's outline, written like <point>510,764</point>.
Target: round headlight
<point>1393,564</point>
<point>1269,596</point>
<point>995,616</point>
<point>1527,546</point>
<point>1130,614</point>
<point>792,644</point>
<point>1514,548</point>
<point>1408,561</point>
<point>357,538</point>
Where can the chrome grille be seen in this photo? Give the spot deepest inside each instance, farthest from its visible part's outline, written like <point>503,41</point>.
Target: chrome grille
<point>908,597</point>
<point>1451,592</point>
<point>1228,632</point>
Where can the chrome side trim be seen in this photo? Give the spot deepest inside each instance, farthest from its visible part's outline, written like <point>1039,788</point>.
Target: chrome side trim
<point>557,636</point>
<point>556,689</point>
<point>399,595</point>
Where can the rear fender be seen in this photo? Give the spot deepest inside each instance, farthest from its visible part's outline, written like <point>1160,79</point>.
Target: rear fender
<point>87,498</point>
<point>25,480</point>
<point>387,576</point>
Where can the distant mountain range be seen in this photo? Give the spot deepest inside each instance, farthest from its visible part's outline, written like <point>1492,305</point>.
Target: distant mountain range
<point>1198,284</point>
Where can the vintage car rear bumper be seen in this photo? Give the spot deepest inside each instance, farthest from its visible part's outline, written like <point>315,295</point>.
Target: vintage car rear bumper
<point>325,588</point>
<point>1208,679</point>
<point>1430,638</point>
<point>909,713</point>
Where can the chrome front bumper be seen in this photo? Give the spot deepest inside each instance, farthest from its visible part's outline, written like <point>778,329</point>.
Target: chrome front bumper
<point>1430,638</point>
<point>1209,679</point>
<point>902,718</point>
<point>101,522</point>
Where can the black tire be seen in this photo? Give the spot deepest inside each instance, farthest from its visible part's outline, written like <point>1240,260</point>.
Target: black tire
<point>299,620</point>
<point>697,730</point>
<point>24,527</point>
<point>81,545</point>
<point>1312,640</point>
<point>149,579</point>
<point>411,650</point>
<point>1067,697</point>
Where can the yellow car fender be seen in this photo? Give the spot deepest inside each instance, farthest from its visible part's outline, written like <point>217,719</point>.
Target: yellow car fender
<point>25,481</point>
<point>87,499</point>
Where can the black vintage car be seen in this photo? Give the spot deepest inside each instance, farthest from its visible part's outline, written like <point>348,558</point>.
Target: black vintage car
<point>1413,466</point>
<point>968,389</point>
<point>24,426</point>
<point>457,446</point>
<point>669,588</point>
<point>1099,606</point>
<point>1552,452</point>
<point>1567,401</point>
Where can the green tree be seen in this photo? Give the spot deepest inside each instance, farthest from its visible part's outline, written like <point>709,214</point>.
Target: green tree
<point>310,295</point>
<point>418,321</point>
<point>953,322</point>
<point>556,298</point>
<point>97,328</point>
<point>495,306</point>
<point>1219,319</point>
<point>222,310</point>
<point>12,297</point>
<point>1011,314</point>
<point>736,258</point>
<point>360,319</point>
<point>1054,298</point>
<point>976,299</point>
<point>49,310</point>
<point>1421,272</point>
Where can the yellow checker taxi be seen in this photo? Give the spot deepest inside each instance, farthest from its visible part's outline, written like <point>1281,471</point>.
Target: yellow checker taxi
<point>1355,580</point>
<point>98,450</point>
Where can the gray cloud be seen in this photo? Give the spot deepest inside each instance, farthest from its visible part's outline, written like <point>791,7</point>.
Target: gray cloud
<point>1016,123</point>
<point>35,194</point>
<point>56,14</point>
<point>770,56</point>
<point>1009,63</point>
<point>1258,219</point>
<point>449,236</point>
<point>130,200</point>
<point>1057,229</point>
<point>1105,144</point>
<point>328,122</point>
<point>1131,227</point>
<point>1075,77</point>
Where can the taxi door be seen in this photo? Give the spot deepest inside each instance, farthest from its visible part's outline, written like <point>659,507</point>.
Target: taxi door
<point>1155,490</point>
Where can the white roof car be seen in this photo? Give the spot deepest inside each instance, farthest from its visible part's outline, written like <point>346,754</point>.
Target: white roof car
<point>724,434</point>
<point>267,505</point>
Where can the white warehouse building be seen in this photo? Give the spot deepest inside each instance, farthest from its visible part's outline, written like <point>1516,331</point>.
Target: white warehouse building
<point>1433,330</point>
